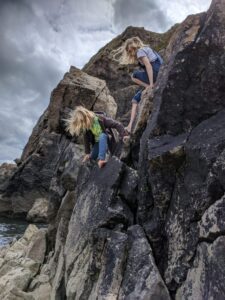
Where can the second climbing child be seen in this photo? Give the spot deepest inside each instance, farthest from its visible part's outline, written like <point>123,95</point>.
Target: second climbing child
<point>150,61</point>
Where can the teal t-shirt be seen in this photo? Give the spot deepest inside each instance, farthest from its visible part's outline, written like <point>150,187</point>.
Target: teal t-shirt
<point>96,129</point>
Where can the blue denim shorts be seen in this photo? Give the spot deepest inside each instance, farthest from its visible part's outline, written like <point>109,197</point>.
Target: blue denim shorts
<point>143,76</point>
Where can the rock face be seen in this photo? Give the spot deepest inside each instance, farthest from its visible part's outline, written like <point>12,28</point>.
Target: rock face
<point>150,224</point>
<point>183,145</point>
<point>6,172</point>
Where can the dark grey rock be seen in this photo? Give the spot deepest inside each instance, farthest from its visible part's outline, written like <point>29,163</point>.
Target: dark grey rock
<point>212,223</point>
<point>193,194</point>
<point>128,189</point>
<point>174,192</point>
<point>32,179</point>
<point>141,279</point>
<point>205,279</point>
<point>98,210</point>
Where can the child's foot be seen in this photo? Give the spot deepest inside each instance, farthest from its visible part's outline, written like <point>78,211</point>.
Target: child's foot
<point>101,163</point>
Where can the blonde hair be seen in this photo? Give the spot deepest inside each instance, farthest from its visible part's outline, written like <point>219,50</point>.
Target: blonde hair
<point>79,119</point>
<point>122,55</point>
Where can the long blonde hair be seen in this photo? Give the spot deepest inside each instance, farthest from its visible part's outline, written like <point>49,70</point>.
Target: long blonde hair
<point>79,119</point>
<point>123,55</point>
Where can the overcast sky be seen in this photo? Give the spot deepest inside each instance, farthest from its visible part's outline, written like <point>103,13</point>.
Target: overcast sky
<point>40,39</point>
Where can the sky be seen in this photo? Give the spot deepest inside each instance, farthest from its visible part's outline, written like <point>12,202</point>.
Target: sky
<point>41,39</point>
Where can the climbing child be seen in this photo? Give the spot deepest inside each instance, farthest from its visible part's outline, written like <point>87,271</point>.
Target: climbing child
<point>96,129</point>
<point>150,61</point>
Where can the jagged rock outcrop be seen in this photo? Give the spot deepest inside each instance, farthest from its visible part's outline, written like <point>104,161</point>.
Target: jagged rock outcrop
<point>39,162</point>
<point>150,224</point>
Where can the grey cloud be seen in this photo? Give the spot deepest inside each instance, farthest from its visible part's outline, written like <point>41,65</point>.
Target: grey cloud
<point>27,75</point>
<point>145,13</point>
<point>39,41</point>
<point>13,136</point>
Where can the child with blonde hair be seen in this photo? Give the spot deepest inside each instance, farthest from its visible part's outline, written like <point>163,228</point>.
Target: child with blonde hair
<point>150,61</point>
<point>97,130</point>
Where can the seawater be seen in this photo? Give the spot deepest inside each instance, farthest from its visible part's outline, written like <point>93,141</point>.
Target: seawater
<point>10,229</point>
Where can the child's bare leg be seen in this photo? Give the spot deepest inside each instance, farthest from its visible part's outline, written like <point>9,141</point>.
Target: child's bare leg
<point>133,115</point>
<point>139,82</point>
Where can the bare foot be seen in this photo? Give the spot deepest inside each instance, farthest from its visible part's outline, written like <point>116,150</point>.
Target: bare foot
<point>126,139</point>
<point>101,163</point>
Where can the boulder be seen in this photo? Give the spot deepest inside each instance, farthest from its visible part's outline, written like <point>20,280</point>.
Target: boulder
<point>38,212</point>
<point>78,88</point>
<point>21,262</point>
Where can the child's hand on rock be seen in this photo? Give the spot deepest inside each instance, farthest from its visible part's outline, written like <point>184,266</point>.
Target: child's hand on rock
<point>148,90</point>
<point>86,158</point>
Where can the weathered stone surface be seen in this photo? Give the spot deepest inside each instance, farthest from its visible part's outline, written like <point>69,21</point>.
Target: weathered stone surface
<point>16,294</point>
<point>188,77</point>
<point>5,206</point>
<point>94,235</point>
<point>32,179</point>
<point>78,88</point>
<point>65,179</point>
<point>194,192</point>
<point>212,223</point>
<point>21,262</point>
<point>128,189</point>
<point>38,212</point>
<point>125,95</point>
<point>141,278</point>
<point>144,110</point>
<point>188,101</point>
<point>40,288</point>
<point>57,262</point>
<point>205,280</point>
<point>37,249</point>
<point>6,171</point>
